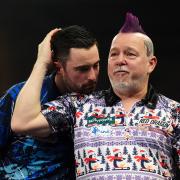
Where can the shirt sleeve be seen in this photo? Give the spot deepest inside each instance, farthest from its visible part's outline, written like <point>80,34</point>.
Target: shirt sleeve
<point>176,143</point>
<point>6,109</point>
<point>60,116</point>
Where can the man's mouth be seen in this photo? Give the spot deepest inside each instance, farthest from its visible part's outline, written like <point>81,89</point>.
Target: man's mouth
<point>120,70</point>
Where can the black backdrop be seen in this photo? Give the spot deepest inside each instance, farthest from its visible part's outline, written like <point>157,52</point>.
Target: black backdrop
<point>24,23</point>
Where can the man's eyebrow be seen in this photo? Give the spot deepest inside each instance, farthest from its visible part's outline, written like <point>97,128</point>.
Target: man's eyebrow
<point>87,65</point>
<point>113,49</point>
<point>97,61</point>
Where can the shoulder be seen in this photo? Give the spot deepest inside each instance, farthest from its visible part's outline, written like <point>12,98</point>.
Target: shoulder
<point>169,105</point>
<point>13,91</point>
<point>167,102</point>
<point>77,98</point>
<point>84,97</point>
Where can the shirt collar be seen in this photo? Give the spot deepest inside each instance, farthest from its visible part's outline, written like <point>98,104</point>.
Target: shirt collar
<point>52,85</point>
<point>150,99</point>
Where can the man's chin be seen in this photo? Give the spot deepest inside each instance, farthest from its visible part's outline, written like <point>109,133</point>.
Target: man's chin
<point>88,90</point>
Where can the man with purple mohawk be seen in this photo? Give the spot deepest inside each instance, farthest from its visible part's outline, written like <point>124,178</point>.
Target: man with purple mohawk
<point>127,132</point>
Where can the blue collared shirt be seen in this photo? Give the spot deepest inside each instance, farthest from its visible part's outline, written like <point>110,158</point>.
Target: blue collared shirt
<point>24,157</point>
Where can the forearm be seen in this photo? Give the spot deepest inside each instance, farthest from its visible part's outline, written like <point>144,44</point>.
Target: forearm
<point>27,117</point>
<point>28,106</point>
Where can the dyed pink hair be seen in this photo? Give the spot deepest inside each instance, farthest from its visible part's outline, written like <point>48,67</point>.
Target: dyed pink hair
<point>131,24</point>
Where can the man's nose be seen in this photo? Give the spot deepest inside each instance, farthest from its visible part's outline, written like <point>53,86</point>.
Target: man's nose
<point>92,74</point>
<point>121,60</point>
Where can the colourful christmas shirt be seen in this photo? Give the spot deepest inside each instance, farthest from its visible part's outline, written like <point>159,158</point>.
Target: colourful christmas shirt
<point>110,143</point>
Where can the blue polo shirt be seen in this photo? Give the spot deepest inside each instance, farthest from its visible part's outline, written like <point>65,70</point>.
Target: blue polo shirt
<point>25,157</point>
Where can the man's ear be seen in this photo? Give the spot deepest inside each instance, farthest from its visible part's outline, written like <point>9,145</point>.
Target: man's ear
<point>152,63</point>
<point>58,66</point>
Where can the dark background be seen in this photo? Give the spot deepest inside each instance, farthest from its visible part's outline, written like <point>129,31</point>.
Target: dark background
<point>24,23</point>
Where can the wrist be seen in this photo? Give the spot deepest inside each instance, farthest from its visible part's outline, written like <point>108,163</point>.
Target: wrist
<point>41,65</point>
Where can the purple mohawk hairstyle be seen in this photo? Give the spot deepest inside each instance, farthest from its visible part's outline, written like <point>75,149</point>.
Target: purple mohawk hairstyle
<point>131,24</point>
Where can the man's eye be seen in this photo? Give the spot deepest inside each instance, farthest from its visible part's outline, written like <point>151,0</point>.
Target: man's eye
<point>83,69</point>
<point>131,55</point>
<point>96,66</point>
<point>113,54</point>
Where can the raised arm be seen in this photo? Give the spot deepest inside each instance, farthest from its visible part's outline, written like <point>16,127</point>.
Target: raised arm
<point>27,117</point>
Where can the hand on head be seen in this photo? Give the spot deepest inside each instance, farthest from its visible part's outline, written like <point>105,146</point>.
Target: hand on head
<point>44,56</point>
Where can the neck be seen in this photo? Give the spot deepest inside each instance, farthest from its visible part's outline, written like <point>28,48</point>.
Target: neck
<point>59,81</point>
<point>130,98</point>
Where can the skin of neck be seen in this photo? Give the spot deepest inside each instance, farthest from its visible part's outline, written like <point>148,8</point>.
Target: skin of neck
<point>129,97</point>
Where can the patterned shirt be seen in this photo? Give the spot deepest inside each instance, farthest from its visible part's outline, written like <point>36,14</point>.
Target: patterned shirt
<point>110,143</point>
<point>24,157</point>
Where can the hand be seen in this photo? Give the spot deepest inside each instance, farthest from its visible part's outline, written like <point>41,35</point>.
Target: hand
<point>44,50</point>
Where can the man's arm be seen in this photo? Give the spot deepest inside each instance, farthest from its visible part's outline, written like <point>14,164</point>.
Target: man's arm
<point>27,117</point>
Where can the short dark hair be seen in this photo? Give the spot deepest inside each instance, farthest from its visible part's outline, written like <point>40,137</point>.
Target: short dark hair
<point>70,37</point>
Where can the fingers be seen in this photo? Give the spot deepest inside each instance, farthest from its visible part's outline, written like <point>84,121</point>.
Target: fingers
<point>52,32</point>
<point>48,37</point>
<point>45,53</point>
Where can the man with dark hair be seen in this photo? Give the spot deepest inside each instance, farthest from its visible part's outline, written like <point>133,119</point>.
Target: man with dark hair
<point>127,132</point>
<point>75,76</point>
<point>74,52</point>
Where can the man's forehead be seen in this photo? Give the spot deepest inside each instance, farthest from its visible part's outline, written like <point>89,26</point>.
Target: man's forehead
<point>129,37</point>
<point>91,63</point>
<point>79,63</point>
<point>127,40</point>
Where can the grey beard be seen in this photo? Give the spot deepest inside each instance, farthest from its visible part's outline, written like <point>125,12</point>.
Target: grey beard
<point>119,85</point>
<point>124,87</point>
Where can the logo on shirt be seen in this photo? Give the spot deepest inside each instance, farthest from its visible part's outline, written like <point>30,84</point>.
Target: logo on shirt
<point>153,120</point>
<point>101,130</point>
<point>100,120</point>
